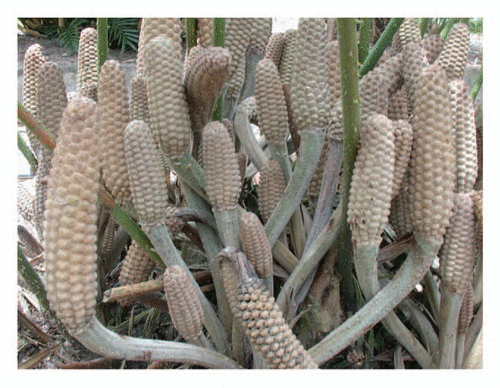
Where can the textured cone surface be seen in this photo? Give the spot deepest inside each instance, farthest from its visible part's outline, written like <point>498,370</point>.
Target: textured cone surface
<point>41,195</point>
<point>414,62</point>
<point>335,128</point>
<point>396,46</point>
<point>458,252</point>
<point>271,188</point>
<point>33,60</point>
<point>70,229</point>
<point>249,104</point>
<point>173,222</point>
<point>309,84</point>
<point>184,305</point>
<point>397,108</point>
<point>24,203</point>
<point>477,198</point>
<point>465,136</point>
<point>271,108</point>
<point>223,183</point>
<point>107,242</point>
<point>334,82</point>
<point>371,185</point>
<point>205,77</point>
<point>193,52</point>
<point>315,184</point>
<point>399,216</point>
<point>267,330</point>
<point>392,71</point>
<point>432,162</point>
<point>147,181</point>
<point>137,265</point>
<point>236,81</point>
<point>373,95</point>
<point>259,36</point>
<point>409,31</point>
<point>89,89</point>
<point>154,27</point>
<point>255,244</point>
<point>231,281</point>
<point>374,99</point>
<point>274,48</point>
<point>433,45</point>
<point>114,116</point>
<point>51,102</point>
<point>167,102</point>
<point>287,56</point>
<point>237,40</point>
<point>403,137</point>
<point>205,31</point>
<point>466,311</point>
<point>453,57</point>
<point>139,105</point>
<point>87,59</point>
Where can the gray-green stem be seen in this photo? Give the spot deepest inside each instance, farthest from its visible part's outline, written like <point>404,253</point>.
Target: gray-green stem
<point>448,322</point>
<point>310,149</point>
<point>422,325</point>
<point>279,152</point>
<point>213,246</point>
<point>228,226</point>
<point>307,264</point>
<point>408,276</point>
<point>351,117</point>
<point>188,169</point>
<point>97,338</point>
<point>365,262</point>
<point>164,246</point>
<point>247,139</point>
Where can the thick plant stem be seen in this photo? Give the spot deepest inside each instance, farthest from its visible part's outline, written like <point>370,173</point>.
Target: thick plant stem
<point>422,325</point>
<point>477,85</point>
<point>190,172</point>
<point>331,171</point>
<point>308,263</point>
<point>382,43</point>
<point>417,263</point>
<point>102,41</point>
<point>311,143</point>
<point>351,122</point>
<point>228,226</point>
<point>212,246</point>
<point>448,321</point>
<point>218,39</point>
<point>100,340</point>
<point>160,237</point>
<point>365,260</point>
<point>475,358</point>
<point>191,32</point>
<point>365,33</point>
<point>248,140</point>
<point>279,152</point>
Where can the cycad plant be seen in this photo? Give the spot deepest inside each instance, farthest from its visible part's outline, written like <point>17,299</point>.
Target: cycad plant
<point>274,202</point>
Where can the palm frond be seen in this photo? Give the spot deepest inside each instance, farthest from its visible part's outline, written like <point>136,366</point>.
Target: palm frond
<point>123,33</point>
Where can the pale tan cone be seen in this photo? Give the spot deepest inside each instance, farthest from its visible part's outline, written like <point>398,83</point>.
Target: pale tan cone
<point>70,228</point>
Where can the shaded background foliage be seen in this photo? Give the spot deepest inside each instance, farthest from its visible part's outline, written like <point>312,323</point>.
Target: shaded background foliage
<point>123,33</point>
